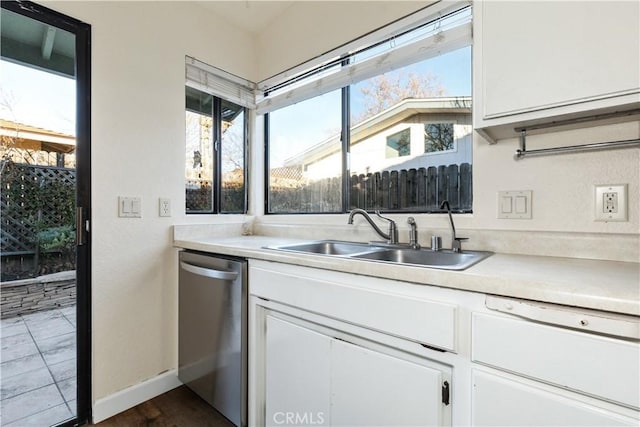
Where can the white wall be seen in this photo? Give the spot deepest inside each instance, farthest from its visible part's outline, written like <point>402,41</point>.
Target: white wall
<point>138,132</point>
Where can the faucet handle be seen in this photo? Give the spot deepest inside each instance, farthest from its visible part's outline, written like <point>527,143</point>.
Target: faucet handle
<point>393,228</point>
<point>457,243</point>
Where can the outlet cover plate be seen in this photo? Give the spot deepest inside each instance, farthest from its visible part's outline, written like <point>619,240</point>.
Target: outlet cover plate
<point>611,202</point>
<point>164,207</point>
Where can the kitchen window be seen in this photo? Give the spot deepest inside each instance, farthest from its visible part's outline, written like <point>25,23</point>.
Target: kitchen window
<point>359,129</point>
<point>216,140</point>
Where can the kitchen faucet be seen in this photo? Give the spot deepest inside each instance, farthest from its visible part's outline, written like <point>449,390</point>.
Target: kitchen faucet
<point>456,242</point>
<point>391,237</point>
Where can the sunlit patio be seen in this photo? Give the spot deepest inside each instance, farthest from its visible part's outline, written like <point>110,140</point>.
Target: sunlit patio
<point>38,368</point>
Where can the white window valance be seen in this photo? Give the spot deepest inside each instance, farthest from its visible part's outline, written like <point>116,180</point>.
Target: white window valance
<point>435,30</point>
<point>220,83</point>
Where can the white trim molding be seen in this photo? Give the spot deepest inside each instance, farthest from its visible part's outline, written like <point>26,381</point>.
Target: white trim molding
<point>136,394</point>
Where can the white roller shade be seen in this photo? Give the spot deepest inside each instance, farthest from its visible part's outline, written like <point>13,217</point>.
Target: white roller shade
<point>220,83</point>
<point>411,47</point>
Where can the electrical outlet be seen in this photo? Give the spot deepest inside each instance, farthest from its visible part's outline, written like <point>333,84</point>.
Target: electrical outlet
<point>611,202</point>
<point>164,207</point>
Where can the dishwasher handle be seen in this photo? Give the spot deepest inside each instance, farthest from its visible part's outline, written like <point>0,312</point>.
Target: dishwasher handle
<point>208,272</point>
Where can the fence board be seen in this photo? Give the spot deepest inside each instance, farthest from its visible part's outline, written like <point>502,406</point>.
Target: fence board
<point>403,189</point>
<point>386,189</point>
<point>378,190</point>
<point>452,186</point>
<point>466,191</point>
<point>421,184</point>
<point>394,198</point>
<point>432,188</point>
<point>443,184</point>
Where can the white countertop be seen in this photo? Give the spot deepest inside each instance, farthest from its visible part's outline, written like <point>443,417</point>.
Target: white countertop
<point>602,285</point>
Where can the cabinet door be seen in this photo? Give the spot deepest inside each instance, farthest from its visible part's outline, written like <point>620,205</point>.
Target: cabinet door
<point>499,401</point>
<point>541,54</point>
<point>370,388</point>
<point>297,370</point>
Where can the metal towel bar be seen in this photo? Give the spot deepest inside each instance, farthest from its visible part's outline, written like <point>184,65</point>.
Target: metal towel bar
<point>522,152</point>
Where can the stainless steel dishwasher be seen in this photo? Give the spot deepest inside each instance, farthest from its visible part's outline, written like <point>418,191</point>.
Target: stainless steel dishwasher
<point>212,331</point>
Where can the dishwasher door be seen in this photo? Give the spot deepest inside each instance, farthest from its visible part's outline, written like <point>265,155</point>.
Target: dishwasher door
<point>212,331</point>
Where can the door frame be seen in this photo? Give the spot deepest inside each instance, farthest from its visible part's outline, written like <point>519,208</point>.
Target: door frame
<point>82,32</point>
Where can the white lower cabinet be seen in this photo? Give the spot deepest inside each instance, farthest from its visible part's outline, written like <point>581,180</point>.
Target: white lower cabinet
<point>313,378</point>
<point>370,388</point>
<point>337,349</point>
<point>501,401</point>
<point>297,374</point>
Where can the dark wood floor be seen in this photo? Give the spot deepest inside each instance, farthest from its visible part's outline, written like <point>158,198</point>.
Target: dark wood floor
<point>179,407</point>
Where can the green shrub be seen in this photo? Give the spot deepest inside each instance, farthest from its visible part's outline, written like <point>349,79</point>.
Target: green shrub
<point>57,239</point>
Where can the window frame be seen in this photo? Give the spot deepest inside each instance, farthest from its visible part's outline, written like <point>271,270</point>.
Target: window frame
<point>459,37</point>
<point>454,149</point>
<point>216,179</point>
<point>407,131</point>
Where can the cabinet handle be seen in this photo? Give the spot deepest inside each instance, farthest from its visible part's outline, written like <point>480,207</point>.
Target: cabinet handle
<point>445,393</point>
<point>207,272</point>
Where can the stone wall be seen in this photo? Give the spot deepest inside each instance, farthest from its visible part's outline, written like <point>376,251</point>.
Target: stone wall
<point>37,294</point>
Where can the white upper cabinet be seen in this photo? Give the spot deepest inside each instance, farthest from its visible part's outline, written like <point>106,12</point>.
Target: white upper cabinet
<point>541,61</point>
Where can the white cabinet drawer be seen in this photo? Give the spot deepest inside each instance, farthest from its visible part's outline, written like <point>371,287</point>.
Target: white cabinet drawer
<point>500,401</point>
<point>428,322</point>
<point>600,366</point>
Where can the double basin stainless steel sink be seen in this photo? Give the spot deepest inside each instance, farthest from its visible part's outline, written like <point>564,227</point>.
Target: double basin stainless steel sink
<point>395,254</point>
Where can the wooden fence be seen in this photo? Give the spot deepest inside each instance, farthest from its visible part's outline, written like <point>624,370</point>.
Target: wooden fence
<point>420,190</point>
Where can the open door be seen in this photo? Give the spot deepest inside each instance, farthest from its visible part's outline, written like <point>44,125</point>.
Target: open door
<point>46,200</point>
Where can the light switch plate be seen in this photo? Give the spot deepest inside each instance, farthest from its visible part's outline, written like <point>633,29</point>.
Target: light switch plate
<point>514,204</point>
<point>129,207</point>
<point>611,202</point>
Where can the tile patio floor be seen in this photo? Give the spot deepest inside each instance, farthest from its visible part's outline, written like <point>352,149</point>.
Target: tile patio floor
<point>38,368</point>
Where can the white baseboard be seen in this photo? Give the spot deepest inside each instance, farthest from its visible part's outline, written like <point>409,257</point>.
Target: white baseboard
<point>129,397</point>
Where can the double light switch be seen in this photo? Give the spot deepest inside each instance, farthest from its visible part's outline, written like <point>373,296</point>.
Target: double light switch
<point>129,207</point>
<point>514,204</point>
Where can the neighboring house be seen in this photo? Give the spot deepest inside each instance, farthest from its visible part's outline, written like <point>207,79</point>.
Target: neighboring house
<point>413,133</point>
<point>22,143</point>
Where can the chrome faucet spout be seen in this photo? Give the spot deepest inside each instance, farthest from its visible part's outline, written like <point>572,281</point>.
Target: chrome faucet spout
<point>456,242</point>
<point>390,237</point>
